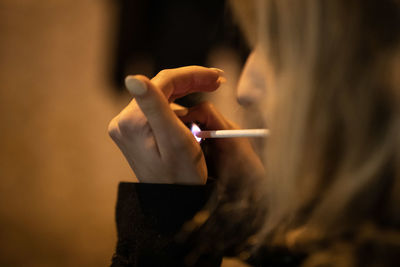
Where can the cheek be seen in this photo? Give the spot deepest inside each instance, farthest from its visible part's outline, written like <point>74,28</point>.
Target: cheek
<point>270,86</point>
<point>269,99</point>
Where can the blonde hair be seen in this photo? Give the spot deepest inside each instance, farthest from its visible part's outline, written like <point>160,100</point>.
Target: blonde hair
<point>333,176</point>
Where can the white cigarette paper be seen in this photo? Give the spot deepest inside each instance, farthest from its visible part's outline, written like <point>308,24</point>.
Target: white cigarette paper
<point>232,133</point>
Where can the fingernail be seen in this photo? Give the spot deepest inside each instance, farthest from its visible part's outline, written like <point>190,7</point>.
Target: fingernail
<point>222,80</point>
<point>219,71</point>
<point>135,86</point>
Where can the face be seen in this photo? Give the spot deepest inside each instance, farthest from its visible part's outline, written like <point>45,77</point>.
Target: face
<point>255,89</point>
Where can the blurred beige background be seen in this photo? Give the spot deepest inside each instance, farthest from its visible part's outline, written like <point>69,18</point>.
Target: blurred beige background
<point>59,170</point>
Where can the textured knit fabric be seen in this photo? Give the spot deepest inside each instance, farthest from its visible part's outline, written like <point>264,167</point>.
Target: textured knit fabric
<point>150,216</point>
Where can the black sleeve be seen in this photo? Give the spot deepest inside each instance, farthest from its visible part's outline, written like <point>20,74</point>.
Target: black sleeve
<point>149,216</point>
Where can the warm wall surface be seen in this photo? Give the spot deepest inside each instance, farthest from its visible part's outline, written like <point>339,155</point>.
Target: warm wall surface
<point>58,169</point>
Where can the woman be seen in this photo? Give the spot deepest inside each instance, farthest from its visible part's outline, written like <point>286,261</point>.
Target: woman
<point>325,75</point>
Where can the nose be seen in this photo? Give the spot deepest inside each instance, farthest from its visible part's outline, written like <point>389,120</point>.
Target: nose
<point>252,84</point>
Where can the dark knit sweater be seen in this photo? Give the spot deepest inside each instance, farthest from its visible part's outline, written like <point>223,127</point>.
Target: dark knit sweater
<point>150,216</point>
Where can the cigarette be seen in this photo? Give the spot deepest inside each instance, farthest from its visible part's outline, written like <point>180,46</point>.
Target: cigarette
<point>232,133</point>
<point>200,135</point>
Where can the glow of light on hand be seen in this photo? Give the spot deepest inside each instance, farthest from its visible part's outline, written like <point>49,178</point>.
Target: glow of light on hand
<point>195,129</point>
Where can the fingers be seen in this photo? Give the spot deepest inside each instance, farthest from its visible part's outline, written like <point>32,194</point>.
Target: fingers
<point>154,141</point>
<point>155,107</point>
<point>176,83</point>
<point>178,109</point>
<point>153,99</point>
<point>232,156</point>
<point>210,118</point>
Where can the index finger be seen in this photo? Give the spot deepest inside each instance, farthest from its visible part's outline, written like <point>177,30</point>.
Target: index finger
<point>176,83</point>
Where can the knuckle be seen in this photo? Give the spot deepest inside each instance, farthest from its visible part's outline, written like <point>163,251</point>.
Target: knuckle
<point>113,129</point>
<point>163,72</point>
<point>126,126</point>
<point>167,73</point>
<point>207,106</point>
<point>130,126</point>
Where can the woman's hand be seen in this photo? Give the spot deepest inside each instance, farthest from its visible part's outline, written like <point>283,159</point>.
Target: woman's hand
<point>231,158</point>
<point>156,143</point>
